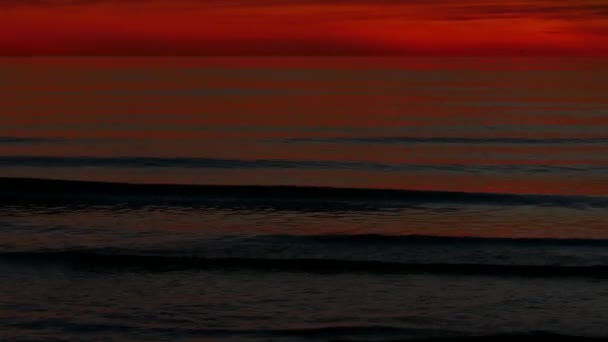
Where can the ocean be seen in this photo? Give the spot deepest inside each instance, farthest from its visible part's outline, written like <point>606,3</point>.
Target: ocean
<point>303,198</point>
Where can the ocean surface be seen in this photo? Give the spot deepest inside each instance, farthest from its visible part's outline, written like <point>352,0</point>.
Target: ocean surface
<point>303,199</point>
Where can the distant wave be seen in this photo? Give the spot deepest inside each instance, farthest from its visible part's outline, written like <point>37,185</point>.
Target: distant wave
<point>377,239</point>
<point>142,162</point>
<point>220,163</point>
<point>52,192</point>
<point>324,332</point>
<point>104,261</point>
<point>31,140</point>
<point>339,333</point>
<point>448,140</point>
<point>522,337</point>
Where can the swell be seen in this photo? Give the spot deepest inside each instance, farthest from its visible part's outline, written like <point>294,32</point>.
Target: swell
<point>103,261</point>
<point>419,240</point>
<point>387,333</point>
<point>531,336</point>
<point>448,140</point>
<point>320,332</point>
<point>31,140</point>
<point>52,192</point>
<point>252,164</point>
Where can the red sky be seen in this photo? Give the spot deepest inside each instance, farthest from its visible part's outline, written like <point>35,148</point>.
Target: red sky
<point>303,27</point>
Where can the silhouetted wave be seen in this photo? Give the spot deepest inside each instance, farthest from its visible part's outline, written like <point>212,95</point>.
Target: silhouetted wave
<point>113,261</point>
<point>448,140</point>
<point>341,333</point>
<point>220,163</point>
<point>331,332</point>
<point>378,239</point>
<point>522,337</point>
<point>52,192</point>
<point>143,162</point>
<point>30,140</point>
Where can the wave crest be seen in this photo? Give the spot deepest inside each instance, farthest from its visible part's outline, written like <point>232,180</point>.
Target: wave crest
<point>53,192</point>
<point>100,260</point>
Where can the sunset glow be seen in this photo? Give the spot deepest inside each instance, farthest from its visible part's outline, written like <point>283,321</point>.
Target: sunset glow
<point>303,27</point>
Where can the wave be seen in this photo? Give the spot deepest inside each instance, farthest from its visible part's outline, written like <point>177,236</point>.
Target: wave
<point>448,140</point>
<point>419,240</point>
<point>387,333</point>
<point>530,336</point>
<point>341,333</point>
<point>138,162</point>
<point>55,192</point>
<point>219,163</point>
<point>104,260</point>
<point>31,140</point>
<point>320,332</point>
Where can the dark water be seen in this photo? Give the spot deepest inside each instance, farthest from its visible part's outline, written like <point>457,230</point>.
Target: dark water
<point>309,199</point>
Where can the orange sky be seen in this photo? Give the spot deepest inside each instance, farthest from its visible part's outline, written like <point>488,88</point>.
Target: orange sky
<point>303,27</point>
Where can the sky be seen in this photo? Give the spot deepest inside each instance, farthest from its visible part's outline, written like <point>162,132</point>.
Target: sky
<point>302,27</point>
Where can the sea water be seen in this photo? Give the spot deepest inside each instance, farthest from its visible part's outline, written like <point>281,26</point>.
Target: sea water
<point>297,199</point>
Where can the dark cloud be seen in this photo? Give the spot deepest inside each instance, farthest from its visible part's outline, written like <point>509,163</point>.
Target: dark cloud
<point>443,9</point>
<point>571,11</point>
<point>447,9</point>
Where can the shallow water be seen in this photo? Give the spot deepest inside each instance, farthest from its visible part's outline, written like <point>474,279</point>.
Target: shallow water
<point>501,226</point>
